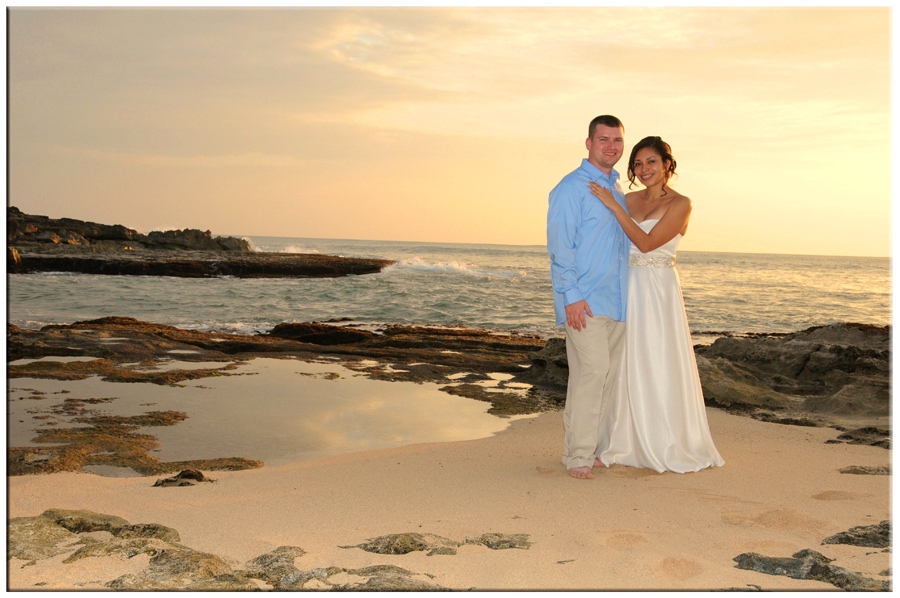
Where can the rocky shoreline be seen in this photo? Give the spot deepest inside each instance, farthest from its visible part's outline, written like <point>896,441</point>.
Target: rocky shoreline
<point>42,244</point>
<point>832,376</point>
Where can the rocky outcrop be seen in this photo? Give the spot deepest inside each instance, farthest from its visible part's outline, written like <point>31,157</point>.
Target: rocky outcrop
<point>174,566</point>
<point>825,375</point>
<point>414,542</point>
<point>186,477</point>
<point>842,370</point>
<point>28,230</point>
<point>866,470</point>
<point>202,264</point>
<point>809,564</point>
<point>550,365</point>
<point>873,536</point>
<point>42,244</point>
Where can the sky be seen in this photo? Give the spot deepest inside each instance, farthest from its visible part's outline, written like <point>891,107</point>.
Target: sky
<point>450,124</point>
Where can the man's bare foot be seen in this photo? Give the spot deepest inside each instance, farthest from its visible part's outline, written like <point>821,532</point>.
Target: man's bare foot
<point>599,463</point>
<point>582,473</point>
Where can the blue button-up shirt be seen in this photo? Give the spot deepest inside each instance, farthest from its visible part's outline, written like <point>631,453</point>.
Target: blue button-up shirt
<point>588,248</point>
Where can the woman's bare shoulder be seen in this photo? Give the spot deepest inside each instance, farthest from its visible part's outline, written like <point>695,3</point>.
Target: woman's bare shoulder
<point>679,199</point>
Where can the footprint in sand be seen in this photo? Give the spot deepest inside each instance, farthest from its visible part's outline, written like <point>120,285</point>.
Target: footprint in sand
<point>838,495</point>
<point>545,470</point>
<point>677,568</point>
<point>784,519</point>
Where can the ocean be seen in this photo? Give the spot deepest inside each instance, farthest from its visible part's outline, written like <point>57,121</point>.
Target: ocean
<point>501,287</point>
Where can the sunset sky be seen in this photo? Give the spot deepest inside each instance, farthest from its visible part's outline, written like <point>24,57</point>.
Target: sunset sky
<point>450,124</point>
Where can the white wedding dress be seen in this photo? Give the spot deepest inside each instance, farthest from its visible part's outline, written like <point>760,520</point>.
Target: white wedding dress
<point>659,422</point>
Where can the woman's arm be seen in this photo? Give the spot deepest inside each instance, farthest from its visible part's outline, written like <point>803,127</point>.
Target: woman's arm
<point>672,222</point>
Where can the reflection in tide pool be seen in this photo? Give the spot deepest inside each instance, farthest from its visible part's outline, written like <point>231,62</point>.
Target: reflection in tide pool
<point>280,411</point>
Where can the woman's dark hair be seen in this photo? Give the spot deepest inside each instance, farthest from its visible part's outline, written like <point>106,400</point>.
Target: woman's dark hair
<point>659,146</point>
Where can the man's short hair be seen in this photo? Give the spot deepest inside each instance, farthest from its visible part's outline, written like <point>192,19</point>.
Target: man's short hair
<point>606,120</point>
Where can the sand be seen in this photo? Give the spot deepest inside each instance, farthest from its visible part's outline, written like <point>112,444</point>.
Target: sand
<point>780,491</point>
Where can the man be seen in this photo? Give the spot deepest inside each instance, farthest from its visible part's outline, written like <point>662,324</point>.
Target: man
<point>589,270</point>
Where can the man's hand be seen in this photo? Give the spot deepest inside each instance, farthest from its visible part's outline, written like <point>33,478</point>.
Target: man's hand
<point>575,314</point>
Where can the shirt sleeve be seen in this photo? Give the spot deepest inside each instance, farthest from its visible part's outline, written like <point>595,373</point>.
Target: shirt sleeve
<point>562,227</point>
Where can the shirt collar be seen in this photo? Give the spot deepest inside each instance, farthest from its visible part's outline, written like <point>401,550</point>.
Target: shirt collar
<point>596,173</point>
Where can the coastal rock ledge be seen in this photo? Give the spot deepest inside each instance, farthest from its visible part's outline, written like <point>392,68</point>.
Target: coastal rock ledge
<point>42,244</point>
<point>836,375</point>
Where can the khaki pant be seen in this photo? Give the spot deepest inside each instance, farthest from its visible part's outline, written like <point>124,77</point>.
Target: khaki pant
<point>595,364</point>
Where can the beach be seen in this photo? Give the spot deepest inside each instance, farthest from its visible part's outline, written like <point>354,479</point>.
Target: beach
<point>779,492</point>
<point>403,430</point>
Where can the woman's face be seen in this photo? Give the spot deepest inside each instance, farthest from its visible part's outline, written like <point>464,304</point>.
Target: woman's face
<point>649,167</point>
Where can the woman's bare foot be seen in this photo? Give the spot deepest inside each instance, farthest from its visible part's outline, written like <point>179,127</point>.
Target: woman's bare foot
<point>599,463</point>
<point>582,473</point>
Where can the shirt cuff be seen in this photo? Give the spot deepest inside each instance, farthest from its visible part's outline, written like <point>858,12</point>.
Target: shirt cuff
<point>572,296</point>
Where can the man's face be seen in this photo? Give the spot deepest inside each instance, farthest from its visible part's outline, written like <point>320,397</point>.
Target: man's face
<point>605,147</point>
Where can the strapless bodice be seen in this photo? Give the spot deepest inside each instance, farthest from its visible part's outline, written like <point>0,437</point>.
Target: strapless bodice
<point>663,255</point>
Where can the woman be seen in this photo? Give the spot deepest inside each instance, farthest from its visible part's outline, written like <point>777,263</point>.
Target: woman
<point>660,422</point>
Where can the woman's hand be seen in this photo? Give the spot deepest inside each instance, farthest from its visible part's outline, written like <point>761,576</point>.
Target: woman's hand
<point>604,195</point>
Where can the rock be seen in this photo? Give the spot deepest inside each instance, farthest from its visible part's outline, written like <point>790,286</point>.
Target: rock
<point>320,334</point>
<point>550,365</point>
<point>297,579</point>
<point>173,566</point>
<point>501,541</point>
<point>198,264</point>
<point>228,582</point>
<point>274,566</point>
<point>182,239</point>
<point>85,521</point>
<point>388,578</point>
<point>873,536</point>
<point>866,470</point>
<point>809,564</point>
<point>36,538</point>
<point>149,530</point>
<point>831,373</point>
<point>47,237</point>
<point>13,260</point>
<point>870,435</point>
<point>727,385</point>
<point>183,478</point>
<point>404,543</point>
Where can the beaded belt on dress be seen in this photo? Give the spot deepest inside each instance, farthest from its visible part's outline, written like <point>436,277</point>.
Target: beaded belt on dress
<point>653,261</point>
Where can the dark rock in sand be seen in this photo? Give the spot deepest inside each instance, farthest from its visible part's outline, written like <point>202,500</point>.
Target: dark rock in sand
<point>870,436</point>
<point>173,566</point>
<point>873,536</point>
<point>866,470</point>
<point>185,477</point>
<point>275,566</point>
<point>809,564</point>
<point>404,543</point>
<point>496,541</point>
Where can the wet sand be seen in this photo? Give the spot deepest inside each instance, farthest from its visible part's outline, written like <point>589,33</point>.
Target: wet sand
<point>779,492</point>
